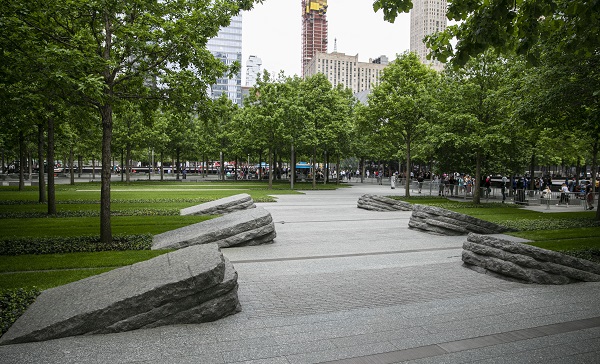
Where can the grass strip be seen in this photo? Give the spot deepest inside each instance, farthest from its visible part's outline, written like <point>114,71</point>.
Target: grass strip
<point>46,279</point>
<point>105,259</point>
<point>88,226</point>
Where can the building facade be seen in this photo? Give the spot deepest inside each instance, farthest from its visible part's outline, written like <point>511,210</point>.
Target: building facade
<point>314,29</point>
<point>347,70</point>
<point>426,17</point>
<point>227,46</point>
<point>252,70</point>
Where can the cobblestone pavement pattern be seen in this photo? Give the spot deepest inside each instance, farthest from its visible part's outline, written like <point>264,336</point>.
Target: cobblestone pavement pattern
<point>346,285</point>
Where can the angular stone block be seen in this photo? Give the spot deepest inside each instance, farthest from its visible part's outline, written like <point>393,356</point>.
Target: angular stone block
<point>241,228</point>
<point>191,285</point>
<point>382,203</point>
<point>221,206</point>
<point>435,220</point>
<point>526,263</point>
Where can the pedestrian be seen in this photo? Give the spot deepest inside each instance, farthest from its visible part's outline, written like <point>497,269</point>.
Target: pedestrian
<point>589,197</point>
<point>420,181</point>
<point>564,194</point>
<point>488,186</point>
<point>393,180</point>
<point>504,180</point>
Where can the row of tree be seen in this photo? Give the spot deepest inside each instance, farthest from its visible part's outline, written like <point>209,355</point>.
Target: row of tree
<point>94,77</point>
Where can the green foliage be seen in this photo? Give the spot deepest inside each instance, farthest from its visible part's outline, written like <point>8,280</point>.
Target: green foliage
<point>402,107</point>
<point>546,224</point>
<point>13,302</point>
<point>52,245</point>
<point>588,254</point>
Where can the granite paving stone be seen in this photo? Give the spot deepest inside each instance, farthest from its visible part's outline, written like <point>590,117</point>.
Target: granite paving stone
<point>350,285</point>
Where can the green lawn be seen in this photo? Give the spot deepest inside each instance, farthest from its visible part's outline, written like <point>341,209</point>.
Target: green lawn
<point>85,226</point>
<point>51,270</point>
<point>560,231</point>
<point>24,263</point>
<point>46,279</point>
<point>144,208</point>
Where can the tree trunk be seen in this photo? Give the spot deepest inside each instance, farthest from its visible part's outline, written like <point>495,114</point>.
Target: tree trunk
<point>72,171</point>
<point>40,151</point>
<point>107,124</point>
<point>477,191</point>
<point>30,165</point>
<point>270,168</point>
<point>122,165</point>
<point>177,164</point>
<point>594,174</point>
<point>407,179</point>
<point>162,166</point>
<point>363,169</point>
<point>293,169</point>
<point>314,168</point>
<point>326,169</point>
<point>235,171</point>
<point>128,163</point>
<point>337,170</point>
<point>21,161</point>
<point>531,169</point>
<point>260,166</point>
<point>51,189</point>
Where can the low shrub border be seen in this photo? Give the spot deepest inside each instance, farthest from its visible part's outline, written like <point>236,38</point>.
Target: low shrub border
<point>591,254</point>
<point>13,302</point>
<point>75,244</point>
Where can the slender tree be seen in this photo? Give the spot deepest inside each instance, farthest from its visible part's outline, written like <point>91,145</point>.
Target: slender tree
<point>403,105</point>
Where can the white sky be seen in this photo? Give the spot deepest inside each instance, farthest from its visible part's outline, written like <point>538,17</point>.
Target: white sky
<point>272,32</point>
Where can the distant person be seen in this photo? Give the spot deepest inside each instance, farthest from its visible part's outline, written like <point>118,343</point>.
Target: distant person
<point>420,182</point>
<point>547,193</point>
<point>564,194</point>
<point>589,197</point>
<point>393,180</point>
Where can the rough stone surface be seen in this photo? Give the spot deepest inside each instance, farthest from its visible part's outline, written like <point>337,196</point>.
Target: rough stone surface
<point>221,206</point>
<point>381,203</point>
<point>435,220</point>
<point>241,228</point>
<point>526,263</point>
<point>191,285</point>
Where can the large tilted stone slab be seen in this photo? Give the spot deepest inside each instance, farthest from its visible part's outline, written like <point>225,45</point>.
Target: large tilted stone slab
<point>221,206</point>
<point>191,285</point>
<point>381,203</point>
<point>435,220</point>
<point>525,263</point>
<point>242,228</point>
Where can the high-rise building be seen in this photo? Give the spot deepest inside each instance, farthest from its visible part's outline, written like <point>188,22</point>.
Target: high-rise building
<point>314,29</point>
<point>227,46</point>
<point>252,70</point>
<point>426,17</point>
<point>347,70</point>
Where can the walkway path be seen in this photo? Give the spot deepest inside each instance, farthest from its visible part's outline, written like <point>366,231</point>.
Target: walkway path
<point>347,285</point>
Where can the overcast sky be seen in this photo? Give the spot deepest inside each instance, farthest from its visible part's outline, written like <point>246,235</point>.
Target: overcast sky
<point>272,32</point>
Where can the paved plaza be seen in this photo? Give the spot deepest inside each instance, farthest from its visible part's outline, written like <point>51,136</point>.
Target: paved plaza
<point>346,285</point>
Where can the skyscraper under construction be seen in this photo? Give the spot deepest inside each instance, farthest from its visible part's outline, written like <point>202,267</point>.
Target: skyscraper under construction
<point>314,29</point>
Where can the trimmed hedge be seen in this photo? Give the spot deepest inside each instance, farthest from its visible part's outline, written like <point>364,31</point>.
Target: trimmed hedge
<point>13,302</point>
<point>75,244</point>
<point>549,224</point>
<point>588,254</point>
